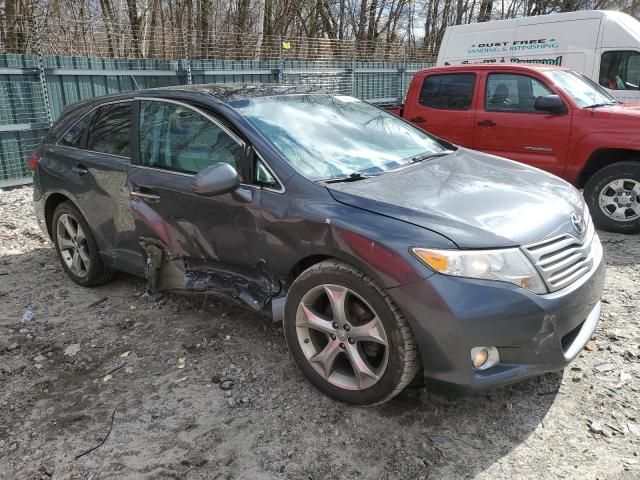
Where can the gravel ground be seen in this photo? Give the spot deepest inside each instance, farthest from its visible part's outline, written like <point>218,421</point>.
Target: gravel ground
<point>190,388</point>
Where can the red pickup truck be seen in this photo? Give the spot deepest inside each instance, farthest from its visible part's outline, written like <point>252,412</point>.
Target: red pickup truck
<point>548,117</point>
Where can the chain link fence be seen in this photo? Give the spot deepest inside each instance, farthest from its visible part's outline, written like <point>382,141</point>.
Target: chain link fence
<point>45,66</point>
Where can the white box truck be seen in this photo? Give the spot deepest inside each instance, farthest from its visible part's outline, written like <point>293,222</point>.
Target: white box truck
<point>602,45</point>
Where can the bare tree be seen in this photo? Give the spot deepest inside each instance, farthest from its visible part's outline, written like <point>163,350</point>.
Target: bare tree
<point>147,28</point>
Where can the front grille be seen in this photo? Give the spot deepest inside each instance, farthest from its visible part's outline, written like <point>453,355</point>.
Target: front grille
<point>563,259</point>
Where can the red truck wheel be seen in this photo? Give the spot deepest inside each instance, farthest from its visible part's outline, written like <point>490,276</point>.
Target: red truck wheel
<point>613,197</point>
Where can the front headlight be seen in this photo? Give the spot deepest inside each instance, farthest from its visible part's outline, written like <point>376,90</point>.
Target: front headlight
<point>508,265</point>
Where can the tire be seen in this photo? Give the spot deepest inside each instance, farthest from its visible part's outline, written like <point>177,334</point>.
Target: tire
<point>309,330</point>
<point>90,269</point>
<point>601,195</point>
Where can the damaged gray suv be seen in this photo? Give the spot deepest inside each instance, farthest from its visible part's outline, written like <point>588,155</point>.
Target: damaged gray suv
<point>386,252</point>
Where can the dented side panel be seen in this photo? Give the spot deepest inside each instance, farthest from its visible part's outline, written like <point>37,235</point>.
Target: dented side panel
<point>199,243</point>
<point>307,222</point>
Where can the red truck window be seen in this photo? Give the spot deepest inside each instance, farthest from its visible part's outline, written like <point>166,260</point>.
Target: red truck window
<point>507,92</point>
<point>448,92</point>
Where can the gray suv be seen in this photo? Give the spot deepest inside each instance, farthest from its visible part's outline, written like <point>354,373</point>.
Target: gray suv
<point>385,251</point>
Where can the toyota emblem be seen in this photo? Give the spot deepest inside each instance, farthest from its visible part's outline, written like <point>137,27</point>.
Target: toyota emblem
<point>578,223</point>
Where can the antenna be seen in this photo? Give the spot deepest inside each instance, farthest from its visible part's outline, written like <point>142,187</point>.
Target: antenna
<point>135,83</point>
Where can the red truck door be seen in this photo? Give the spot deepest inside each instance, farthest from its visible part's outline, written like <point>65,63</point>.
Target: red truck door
<point>442,104</point>
<point>507,124</point>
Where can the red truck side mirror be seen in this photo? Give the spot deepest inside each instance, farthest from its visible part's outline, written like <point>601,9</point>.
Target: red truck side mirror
<point>550,104</point>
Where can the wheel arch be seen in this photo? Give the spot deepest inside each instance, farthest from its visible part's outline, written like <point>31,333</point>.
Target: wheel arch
<point>316,257</point>
<point>604,157</point>
<point>305,263</point>
<point>51,203</point>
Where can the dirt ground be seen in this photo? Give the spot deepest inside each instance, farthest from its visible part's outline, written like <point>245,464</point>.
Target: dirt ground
<point>190,388</point>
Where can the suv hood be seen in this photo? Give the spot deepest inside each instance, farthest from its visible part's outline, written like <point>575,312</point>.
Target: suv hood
<point>474,199</point>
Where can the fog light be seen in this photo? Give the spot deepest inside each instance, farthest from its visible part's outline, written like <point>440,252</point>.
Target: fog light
<point>484,357</point>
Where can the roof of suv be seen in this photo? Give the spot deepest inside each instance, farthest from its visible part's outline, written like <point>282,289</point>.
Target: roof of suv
<point>229,92</point>
<point>224,92</point>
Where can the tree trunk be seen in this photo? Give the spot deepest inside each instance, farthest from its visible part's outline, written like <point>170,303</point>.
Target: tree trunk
<point>145,27</point>
<point>486,8</point>
<point>260,28</point>
<point>134,22</point>
<point>12,33</point>
<point>108,18</point>
<point>362,20</point>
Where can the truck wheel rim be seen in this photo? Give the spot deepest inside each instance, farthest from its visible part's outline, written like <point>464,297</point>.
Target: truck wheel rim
<point>620,200</point>
<point>72,243</point>
<point>342,337</point>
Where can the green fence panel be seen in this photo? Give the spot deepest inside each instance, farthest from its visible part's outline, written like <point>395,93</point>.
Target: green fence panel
<point>112,82</point>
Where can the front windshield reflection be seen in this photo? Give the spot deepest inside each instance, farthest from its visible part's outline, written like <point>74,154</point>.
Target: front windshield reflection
<point>333,136</point>
<point>583,90</point>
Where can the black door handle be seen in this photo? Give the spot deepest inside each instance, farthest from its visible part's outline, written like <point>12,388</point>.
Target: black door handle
<point>487,123</point>
<point>80,169</point>
<point>417,120</point>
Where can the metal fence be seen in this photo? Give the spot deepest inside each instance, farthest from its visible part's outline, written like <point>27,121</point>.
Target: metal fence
<point>45,67</point>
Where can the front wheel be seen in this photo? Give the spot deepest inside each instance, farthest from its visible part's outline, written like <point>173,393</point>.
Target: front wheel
<point>347,336</point>
<point>613,197</point>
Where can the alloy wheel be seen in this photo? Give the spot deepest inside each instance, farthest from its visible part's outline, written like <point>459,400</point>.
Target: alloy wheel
<point>72,244</point>
<point>342,337</point>
<point>620,200</point>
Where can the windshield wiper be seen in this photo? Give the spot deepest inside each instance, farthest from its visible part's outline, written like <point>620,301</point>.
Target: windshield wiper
<point>429,156</point>
<point>603,104</point>
<point>353,177</point>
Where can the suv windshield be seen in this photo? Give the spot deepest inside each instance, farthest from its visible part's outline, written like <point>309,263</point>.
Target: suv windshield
<point>331,136</point>
<point>584,92</point>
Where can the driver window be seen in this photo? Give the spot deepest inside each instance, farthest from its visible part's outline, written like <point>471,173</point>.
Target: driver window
<point>177,138</point>
<point>620,70</point>
<point>513,93</point>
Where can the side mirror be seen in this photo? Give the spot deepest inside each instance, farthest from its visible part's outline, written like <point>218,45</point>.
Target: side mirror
<point>216,180</point>
<point>550,104</point>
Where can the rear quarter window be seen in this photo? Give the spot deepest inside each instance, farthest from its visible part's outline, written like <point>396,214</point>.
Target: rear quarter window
<point>74,136</point>
<point>110,129</point>
<point>69,116</point>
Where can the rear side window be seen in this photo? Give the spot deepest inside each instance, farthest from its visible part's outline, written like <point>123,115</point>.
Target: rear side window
<point>75,135</point>
<point>110,130</point>
<point>620,70</point>
<point>507,92</point>
<point>178,138</point>
<point>448,92</point>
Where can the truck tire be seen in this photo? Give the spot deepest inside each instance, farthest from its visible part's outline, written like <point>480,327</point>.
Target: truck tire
<point>613,197</point>
<point>347,336</point>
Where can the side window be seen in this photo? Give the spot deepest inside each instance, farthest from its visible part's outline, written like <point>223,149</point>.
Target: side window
<point>448,92</point>
<point>177,138</point>
<point>75,135</point>
<point>620,70</point>
<point>109,131</point>
<point>507,92</point>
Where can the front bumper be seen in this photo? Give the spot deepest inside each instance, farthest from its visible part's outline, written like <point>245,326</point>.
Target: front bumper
<point>534,334</point>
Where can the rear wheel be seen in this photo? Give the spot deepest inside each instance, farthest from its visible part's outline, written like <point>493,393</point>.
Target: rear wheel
<point>613,196</point>
<point>76,247</point>
<point>347,336</point>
